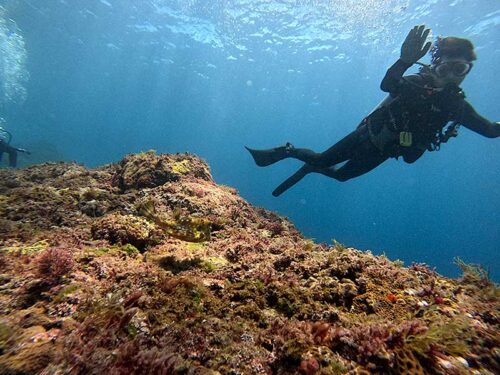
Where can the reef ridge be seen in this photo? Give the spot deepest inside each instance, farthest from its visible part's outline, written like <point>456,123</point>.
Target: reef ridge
<point>148,266</point>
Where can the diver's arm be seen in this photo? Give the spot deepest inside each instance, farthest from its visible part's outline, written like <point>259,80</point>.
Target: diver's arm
<point>22,150</point>
<point>392,78</point>
<point>477,123</point>
<point>413,49</point>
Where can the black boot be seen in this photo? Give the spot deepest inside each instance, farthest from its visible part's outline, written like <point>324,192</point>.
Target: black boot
<point>264,158</point>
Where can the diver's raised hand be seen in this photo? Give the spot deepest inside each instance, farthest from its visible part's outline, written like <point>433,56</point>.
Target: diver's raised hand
<point>413,48</point>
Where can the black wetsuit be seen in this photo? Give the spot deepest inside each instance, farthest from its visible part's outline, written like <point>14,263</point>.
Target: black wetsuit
<point>11,151</point>
<point>416,108</point>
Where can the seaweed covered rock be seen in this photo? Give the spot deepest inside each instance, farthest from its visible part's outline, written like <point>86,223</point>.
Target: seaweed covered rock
<point>34,353</point>
<point>221,287</point>
<point>126,229</point>
<point>148,170</point>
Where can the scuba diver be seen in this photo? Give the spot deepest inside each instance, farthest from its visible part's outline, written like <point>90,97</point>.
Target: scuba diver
<point>410,121</point>
<point>5,138</point>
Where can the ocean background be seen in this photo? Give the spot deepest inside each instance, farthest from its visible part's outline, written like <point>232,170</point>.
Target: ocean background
<point>92,80</point>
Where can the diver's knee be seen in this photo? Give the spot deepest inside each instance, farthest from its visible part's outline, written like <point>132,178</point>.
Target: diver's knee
<point>413,157</point>
<point>319,162</point>
<point>410,160</point>
<point>342,178</point>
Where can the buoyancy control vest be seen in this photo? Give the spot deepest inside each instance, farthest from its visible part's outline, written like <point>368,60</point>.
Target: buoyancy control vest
<point>416,117</point>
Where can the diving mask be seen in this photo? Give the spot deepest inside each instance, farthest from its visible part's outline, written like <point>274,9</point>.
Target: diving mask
<point>457,68</point>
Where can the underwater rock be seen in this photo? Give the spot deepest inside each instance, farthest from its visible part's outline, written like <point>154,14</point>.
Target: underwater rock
<point>148,170</point>
<point>34,353</point>
<point>149,266</point>
<point>126,229</point>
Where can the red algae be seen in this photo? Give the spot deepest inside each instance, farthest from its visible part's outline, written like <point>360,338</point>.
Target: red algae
<point>202,282</point>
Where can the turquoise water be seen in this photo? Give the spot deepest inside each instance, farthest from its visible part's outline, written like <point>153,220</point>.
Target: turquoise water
<point>91,80</point>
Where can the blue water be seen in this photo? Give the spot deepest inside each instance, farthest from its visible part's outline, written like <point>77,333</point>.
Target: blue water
<point>91,80</point>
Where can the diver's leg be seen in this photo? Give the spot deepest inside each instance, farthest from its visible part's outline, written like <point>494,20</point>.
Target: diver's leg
<point>300,174</point>
<point>12,156</point>
<point>2,148</point>
<point>343,150</point>
<point>357,167</point>
<point>353,168</point>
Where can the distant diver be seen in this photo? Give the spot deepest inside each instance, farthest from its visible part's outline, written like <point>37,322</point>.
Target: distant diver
<point>408,122</point>
<point>5,147</point>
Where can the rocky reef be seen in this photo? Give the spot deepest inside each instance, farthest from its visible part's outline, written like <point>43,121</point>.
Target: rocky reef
<point>148,266</point>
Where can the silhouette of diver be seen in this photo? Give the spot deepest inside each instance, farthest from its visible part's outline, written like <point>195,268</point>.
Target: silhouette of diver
<point>408,122</point>
<point>5,147</point>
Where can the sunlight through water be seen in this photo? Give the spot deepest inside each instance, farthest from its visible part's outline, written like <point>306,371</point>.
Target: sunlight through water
<point>13,73</point>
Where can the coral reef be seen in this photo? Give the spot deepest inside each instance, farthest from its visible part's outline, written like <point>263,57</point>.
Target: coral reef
<point>148,266</point>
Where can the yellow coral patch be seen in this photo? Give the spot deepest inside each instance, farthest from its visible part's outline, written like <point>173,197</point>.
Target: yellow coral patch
<point>213,263</point>
<point>181,167</point>
<point>27,250</point>
<point>194,246</point>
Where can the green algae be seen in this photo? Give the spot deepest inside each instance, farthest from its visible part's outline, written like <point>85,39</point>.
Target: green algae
<point>248,290</point>
<point>176,266</point>
<point>91,193</point>
<point>147,153</point>
<point>126,229</point>
<point>284,300</point>
<point>478,277</point>
<point>100,251</point>
<point>338,246</point>
<point>191,229</point>
<point>252,312</point>
<point>308,245</point>
<point>335,368</point>
<point>211,264</point>
<point>398,263</point>
<point>472,272</point>
<point>129,249</point>
<point>180,167</point>
<point>65,292</point>
<point>286,306</point>
<point>194,246</point>
<point>451,337</point>
<point>186,228</point>
<point>185,297</point>
<point>6,335</point>
<point>29,250</point>
<point>293,350</point>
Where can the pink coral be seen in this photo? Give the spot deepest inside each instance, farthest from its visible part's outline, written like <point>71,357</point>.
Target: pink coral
<point>54,263</point>
<point>309,366</point>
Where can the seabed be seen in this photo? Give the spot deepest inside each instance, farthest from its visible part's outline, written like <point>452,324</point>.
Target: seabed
<point>147,266</point>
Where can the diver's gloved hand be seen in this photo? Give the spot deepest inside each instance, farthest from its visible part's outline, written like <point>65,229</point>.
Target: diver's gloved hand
<point>413,48</point>
<point>23,150</point>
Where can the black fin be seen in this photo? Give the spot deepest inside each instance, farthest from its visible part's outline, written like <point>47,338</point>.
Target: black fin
<point>263,158</point>
<point>292,180</point>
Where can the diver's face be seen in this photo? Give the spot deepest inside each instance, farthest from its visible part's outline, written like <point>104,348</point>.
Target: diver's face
<point>450,70</point>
